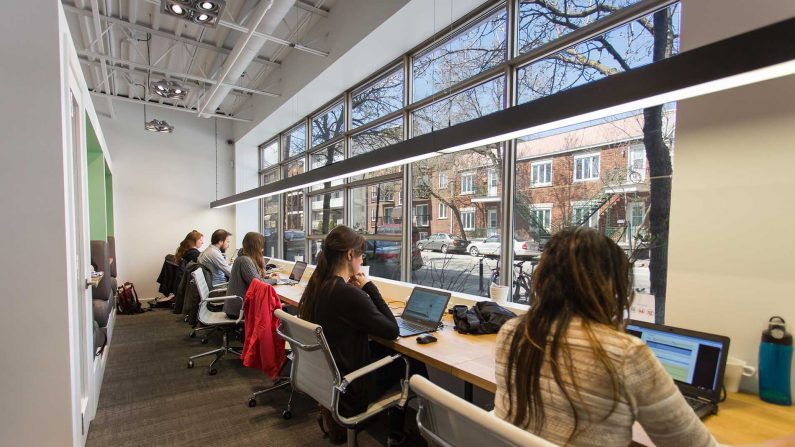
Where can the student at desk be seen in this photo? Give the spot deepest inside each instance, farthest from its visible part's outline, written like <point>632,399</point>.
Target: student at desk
<point>188,249</point>
<point>246,267</point>
<point>566,370</point>
<point>350,308</point>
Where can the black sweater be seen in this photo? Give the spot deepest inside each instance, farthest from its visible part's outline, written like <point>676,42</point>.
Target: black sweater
<point>348,316</point>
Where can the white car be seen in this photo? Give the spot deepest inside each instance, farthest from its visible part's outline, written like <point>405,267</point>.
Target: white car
<point>492,245</point>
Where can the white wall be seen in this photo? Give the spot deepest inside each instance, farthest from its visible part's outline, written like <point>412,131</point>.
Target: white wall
<point>730,255</point>
<point>35,389</point>
<point>163,185</point>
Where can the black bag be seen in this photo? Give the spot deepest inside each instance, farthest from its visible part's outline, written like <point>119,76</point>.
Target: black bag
<point>485,317</point>
<point>127,301</point>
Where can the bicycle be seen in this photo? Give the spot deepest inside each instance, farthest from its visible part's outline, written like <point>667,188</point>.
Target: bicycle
<point>521,280</point>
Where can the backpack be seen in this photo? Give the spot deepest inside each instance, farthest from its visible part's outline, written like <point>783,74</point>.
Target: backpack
<point>127,301</point>
<point>485,317</point>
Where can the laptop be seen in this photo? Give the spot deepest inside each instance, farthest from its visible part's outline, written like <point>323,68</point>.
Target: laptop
<point>423,311</point>
<point>695,360</point>
<point>295,275</point>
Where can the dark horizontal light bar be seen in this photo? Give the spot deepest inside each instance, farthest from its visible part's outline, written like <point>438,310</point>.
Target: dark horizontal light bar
<point>758,55</point>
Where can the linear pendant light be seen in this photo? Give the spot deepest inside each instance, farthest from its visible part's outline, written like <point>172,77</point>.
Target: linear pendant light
<point>758,55</point>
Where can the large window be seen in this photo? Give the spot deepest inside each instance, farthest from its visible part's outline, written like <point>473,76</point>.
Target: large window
<point>381,225</point>
<point>328,125</point>
<point>379,98</point>
<point>620,49</point>
<point>463,219</point>
<point>475,102</point>
<point>294,142</point>
<point>294,236</point>
<point>595,174</point>
<point>471,51</point>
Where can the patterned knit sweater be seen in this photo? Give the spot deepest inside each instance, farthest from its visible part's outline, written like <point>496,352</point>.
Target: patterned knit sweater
<point>648,394</point>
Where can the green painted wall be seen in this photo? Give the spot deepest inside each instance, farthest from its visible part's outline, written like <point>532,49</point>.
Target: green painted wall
<point>97,204</point>
<point>109,199</point>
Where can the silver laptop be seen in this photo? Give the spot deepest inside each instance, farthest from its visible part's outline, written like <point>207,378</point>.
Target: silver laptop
<point>423,311</point>
<point>695,360</point>
<point>295,275</point>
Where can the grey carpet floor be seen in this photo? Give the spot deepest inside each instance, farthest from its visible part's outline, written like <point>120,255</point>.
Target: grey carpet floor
<point>150,398</point>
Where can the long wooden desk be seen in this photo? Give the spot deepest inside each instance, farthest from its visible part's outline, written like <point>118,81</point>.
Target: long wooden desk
<point>743,418</point>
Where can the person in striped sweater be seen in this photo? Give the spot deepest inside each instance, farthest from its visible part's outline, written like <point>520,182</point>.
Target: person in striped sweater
<point>568,372</point>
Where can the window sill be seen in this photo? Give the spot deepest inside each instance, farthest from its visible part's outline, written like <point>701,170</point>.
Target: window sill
<point>540,185</point>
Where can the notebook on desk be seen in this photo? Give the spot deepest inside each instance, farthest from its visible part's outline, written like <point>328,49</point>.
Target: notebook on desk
<point>423,311</point>
<point>295,275</point>
<point>695,360</point>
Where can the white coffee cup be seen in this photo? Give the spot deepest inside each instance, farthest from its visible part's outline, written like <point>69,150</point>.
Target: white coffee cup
<point>735,370</point>
<point>299,258</point>
<point>499,293</point>
<point>365,269</point>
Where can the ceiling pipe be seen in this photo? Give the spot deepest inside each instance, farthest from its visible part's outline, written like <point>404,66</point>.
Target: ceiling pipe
<point>246,49</point>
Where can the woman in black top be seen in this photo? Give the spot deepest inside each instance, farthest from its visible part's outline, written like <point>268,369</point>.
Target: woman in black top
<point>188,249</point>
<point>349,307</point>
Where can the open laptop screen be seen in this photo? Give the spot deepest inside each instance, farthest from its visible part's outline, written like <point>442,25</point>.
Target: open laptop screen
<point>426,305</point>
<point>298,270</point>
<point>695,360</point>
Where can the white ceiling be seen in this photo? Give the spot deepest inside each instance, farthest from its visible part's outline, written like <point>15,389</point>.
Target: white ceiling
<point>138,43</point>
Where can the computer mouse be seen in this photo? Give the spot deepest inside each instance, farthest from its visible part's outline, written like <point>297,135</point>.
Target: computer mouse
<point>424,339</point>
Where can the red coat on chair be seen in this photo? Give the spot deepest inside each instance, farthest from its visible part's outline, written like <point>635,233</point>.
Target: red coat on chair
<point>263,348</point>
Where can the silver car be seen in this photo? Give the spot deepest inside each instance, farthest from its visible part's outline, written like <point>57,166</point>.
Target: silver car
<point>492,245</point>
<point>443,242</point>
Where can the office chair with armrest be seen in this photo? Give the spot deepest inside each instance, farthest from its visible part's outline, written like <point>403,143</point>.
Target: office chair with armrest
<point>218,320</point>
<point>446,420</point>
<point>314,372</point>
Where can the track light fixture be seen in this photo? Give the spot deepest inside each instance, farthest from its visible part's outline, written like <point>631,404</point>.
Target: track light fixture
<point>157,125</point>
<point>203,12</point>
<point>168,89</point>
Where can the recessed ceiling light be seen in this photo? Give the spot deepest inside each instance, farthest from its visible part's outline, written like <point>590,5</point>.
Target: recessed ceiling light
<point>202,17</point>
<point>207,6</point>
<point>202,12</point>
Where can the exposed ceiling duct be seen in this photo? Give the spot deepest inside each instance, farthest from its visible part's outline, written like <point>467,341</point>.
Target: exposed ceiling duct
<point>265,19</point>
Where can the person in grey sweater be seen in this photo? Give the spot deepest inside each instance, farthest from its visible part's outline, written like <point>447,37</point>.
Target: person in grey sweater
<point>245,268</point>
<point>213,257</point>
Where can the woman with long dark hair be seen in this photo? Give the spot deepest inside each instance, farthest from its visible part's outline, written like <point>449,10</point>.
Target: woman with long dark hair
<point>568,372</point>
<point>188,249</point>
<point>249,265</point>
<point>349,307</point>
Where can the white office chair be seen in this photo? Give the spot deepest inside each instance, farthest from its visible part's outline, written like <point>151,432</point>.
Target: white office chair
<point>447,420</point>
<point>315,373</point>
<point>217,320</point>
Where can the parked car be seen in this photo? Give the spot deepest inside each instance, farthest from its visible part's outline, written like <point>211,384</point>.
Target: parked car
<point>492,245</point>
<point>444,242</point>
<point>389,251</point>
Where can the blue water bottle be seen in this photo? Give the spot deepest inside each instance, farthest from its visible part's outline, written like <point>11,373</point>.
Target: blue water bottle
<point>775,363</point>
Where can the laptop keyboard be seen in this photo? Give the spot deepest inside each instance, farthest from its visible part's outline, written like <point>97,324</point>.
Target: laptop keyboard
<point>411,327</point>
<point>702,408</point>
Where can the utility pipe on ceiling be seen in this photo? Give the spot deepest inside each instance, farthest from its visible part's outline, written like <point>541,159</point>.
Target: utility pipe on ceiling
<point>269,14</point>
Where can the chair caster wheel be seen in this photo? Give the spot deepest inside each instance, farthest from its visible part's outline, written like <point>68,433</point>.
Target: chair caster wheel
<point>185,319</point>
<point>192,334</point>
<point>213,371</point>
<point>252,403</point>
<point>204,340</point>
<point>190,364</point>
<point>287,414</point>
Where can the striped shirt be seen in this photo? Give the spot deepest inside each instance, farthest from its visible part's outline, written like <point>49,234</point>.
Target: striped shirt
<point>647,394</point>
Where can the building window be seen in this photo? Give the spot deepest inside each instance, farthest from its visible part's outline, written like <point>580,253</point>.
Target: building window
<point>543,218</point>
<point>373,214</point>
<point>636,171</point>
<point>442,180</point>
<point>586,167</point>
<point>541,173</point>
<point>421,215</point>
<point>636,212</point>
<point>387,215</point>
<point>584,215</point>
<point>468,219</point>
<point>492,179</point>
<point>442,211</point>
<point>467,183</point>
